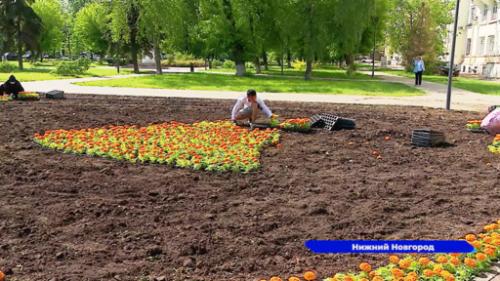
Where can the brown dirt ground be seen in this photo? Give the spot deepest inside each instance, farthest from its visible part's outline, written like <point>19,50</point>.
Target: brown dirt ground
<point>65,217</point>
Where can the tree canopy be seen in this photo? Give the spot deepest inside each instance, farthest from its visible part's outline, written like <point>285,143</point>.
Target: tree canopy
<point>244,31</point>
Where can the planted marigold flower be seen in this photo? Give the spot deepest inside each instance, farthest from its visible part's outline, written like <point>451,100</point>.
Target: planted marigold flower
<point>428,273</point>
<point>470,262</point>
<point>437,269</point>
<point>377,278</point>
<point>496,242</point>
<point>372,274</point>
<point>492,247</point>
<point>293,278</point>
<point>470,237</point>
<point>442,259</point>
<point>363,279</point>
<point>454,261</point>
<point>365,267</point>
<point>396,272</point>
<point>309,275</point>
<point>275,278</point>
<point>455,254</point>
<point>445,273</point>
<point>487,239</point>
<point>450,278</point>
<point>404,264</point>
<point>394,259</point>
<point>348,278</point>
<point>495,235</point>
<point>413,274</point>
<point>489,252</point>
<point>476,244</point>
<point>423,261</point>
<point>481,257</point>
<point>410,278</point>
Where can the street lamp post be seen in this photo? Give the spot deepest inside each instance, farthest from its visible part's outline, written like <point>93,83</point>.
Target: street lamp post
<point>452,58</point>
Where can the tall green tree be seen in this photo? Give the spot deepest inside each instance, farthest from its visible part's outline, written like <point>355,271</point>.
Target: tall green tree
<point>91,28</point>
<point>22,26</point>
<point>159,22</point>
<point>312,26</point>
<point>52,16</point>
<point>202,22</point>
<point>417,28</point>
<point>125,27</point>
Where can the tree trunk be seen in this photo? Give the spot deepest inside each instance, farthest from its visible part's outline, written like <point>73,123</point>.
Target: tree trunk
<point>289,58</point>
<point>240,69</point>
<point>41,58</point>
<point>237,48</point>
<point>264,58</point>
<point>211,58</point>
<point>257,65</point>
<point>157,56</point>
<point>349,60</point>
<point>133,41</point>
<point>19,46</point>
<point>135,61</point>
<point>101,55</point>
<point>308,70</point>
<point>310,43</point>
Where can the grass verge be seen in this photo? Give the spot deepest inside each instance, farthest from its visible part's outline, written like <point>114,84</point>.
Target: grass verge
<point>213,82</point>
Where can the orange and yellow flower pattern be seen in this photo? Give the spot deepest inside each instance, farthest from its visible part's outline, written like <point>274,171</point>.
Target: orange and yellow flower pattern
<point>218,146</point>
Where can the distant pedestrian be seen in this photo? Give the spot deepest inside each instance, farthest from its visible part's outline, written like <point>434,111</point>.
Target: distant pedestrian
<point>418,69</point>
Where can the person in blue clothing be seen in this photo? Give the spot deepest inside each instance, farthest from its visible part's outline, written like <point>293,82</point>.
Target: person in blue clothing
<point>418,69</point>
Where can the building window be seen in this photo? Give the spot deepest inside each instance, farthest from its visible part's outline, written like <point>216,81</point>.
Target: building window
<point>480,51</point>
<point>472,14</point>
<point>491,45</point>
<point>467,51</point>
<point>494,12</point>
<point>485,12</point>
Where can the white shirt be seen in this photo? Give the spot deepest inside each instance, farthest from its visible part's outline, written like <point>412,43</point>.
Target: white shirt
<point>244,102</point>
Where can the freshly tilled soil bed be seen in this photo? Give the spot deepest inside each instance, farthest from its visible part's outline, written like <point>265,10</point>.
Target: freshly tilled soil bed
<point>68,217</point>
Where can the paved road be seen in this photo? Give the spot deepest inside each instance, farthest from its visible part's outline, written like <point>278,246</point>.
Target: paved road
<point>461,100</point>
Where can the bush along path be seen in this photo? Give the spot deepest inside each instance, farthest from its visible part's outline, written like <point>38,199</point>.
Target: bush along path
<point>440,267</point>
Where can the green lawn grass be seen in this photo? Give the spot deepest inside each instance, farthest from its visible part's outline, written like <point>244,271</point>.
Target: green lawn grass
<point>215,82</point>
<point>473,85</point>
<point>43,74</point>
<point>317,73</point>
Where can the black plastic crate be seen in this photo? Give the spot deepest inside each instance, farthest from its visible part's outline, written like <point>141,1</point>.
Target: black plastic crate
<point>344,123</point>
<point>316,121</point>
<point>427,138</point>
<point>55,94</point>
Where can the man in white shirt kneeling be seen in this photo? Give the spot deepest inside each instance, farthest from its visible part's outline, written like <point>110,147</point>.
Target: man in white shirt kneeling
<point>247,107</point>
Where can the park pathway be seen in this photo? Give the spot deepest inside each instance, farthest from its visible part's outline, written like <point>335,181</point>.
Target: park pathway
<point>436,98</point>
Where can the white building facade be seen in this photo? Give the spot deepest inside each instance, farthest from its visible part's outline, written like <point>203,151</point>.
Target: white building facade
<point>463,20</point>
<point>481,49</point>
